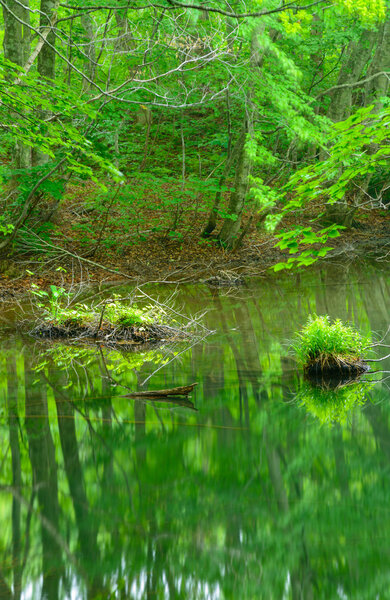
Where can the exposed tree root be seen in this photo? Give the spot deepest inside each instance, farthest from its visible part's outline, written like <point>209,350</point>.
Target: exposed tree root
<point>335,366</point>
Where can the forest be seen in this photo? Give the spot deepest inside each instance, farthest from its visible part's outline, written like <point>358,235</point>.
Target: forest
<point>154,138</point>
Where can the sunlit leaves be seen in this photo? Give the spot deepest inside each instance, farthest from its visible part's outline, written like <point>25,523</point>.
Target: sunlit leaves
<point>41,114</point>
<point>300,240</point>
<point>368,11</point>
<point>360,144</point>
<point>296,23</point>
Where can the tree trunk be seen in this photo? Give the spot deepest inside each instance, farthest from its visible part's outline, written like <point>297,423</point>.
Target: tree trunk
<point>13,34</point>
<point>75,476</point>
<point>358,55</point>
<point>232,224</point>
<point>212,220</point>
<point>90,51</point>
<point>47,56</point>
<point>378,87</point>
<point>46,59</point>
<point>375,90</point>
<point>12,405</point>
<point>16,46</point>
<point>125,39</point>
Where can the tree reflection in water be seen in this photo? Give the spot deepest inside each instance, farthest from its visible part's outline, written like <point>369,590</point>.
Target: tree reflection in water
<point>249,497</point>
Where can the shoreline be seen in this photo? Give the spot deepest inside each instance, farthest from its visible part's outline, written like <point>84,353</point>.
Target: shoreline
<point>168,261</point>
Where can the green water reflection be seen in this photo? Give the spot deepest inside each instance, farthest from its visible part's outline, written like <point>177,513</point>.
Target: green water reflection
<point>253,495</point>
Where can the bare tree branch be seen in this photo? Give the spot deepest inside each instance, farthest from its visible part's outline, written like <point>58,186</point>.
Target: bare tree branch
<point>351,85</point>
<point>174,4</point>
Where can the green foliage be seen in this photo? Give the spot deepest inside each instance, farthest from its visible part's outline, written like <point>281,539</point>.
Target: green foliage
<point>58,306</point>
<point>167,131</point>
<point>128,315</point>
<point>50,302</point>
<point>369,11</point>
<point>56,138</point>
<point>264,199</point>
<point>359,147</point>
<point>5,227</point>
<point>295,238</point>
<point>321,337</point>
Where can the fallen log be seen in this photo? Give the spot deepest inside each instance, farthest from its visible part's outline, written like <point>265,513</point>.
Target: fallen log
<point>183,390</point>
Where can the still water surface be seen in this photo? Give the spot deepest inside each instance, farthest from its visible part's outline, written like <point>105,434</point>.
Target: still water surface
<point>269,489</point>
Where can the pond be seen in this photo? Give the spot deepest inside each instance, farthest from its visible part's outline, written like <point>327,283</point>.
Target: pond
<point>260,486</point>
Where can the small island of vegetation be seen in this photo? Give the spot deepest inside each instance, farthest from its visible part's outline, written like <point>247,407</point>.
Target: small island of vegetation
<point>111,321</point>
<point>330,348</point>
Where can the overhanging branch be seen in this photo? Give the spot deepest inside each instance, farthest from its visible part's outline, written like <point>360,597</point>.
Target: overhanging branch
<point>173,4</point>
<point>355,84</point>
<point>234,15</point>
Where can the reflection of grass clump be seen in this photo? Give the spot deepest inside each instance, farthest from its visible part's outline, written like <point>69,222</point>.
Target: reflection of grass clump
<point>332,405</point>
<point>324,345</point>
<point>74,357</point>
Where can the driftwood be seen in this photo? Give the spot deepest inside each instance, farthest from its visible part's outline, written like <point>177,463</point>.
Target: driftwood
<point>183,390</point>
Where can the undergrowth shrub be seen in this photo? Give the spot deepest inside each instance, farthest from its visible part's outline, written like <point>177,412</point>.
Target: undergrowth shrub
<point>58,307</point>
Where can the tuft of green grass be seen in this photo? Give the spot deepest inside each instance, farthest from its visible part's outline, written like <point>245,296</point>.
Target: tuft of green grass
<point>127,315</point>
<point>321,338</point>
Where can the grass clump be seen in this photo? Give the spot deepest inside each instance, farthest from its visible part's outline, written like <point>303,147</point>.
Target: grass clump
<point>131,315</point>
<point>324,345</point>
<point>111,321</point>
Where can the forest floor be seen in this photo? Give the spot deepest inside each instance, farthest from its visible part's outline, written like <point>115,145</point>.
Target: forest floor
<point>94,249</point>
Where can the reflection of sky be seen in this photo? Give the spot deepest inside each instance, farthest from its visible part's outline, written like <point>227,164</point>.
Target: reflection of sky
<point>33,590</point>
